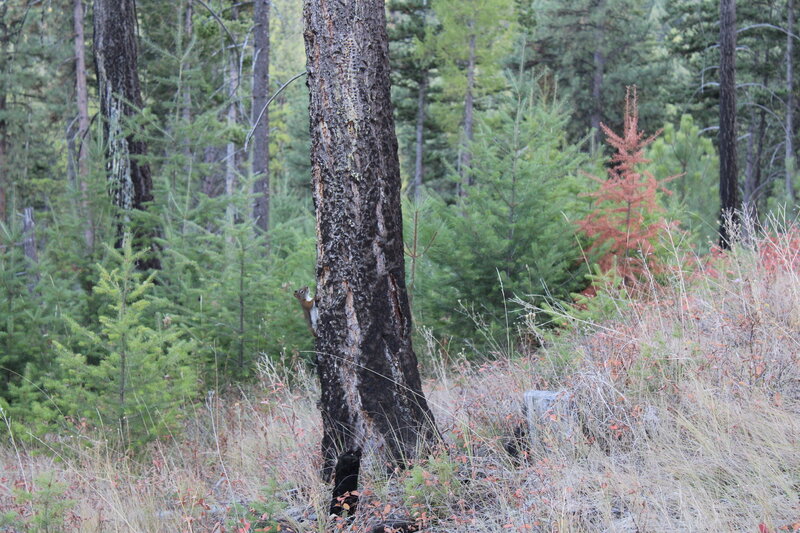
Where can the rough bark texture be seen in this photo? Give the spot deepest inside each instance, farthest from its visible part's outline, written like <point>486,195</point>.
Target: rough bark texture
<point>261,133</point>
<point>82,103</point>
<point>420,139</point>
<point>115,56</point>
<point>371,392</point>
<point>728,175</point>
<point>790,163</point>
<point>469,104</point>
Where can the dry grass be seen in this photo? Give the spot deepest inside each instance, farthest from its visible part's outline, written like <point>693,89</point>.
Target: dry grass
<point>688,410</point>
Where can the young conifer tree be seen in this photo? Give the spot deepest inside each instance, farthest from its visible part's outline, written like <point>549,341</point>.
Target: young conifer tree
<point>626,220</point>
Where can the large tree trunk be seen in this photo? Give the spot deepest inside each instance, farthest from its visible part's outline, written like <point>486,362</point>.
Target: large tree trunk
<point>728,175</point>
<point>261,133</point>
<point>420,140</point>
<point>466,149</point>
<point>372,399</point>
<point>82,103</point>
<point>115,56</point>
<point>790,164</point>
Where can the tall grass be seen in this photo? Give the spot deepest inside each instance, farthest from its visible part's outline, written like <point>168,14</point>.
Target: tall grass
<point>687,419</point>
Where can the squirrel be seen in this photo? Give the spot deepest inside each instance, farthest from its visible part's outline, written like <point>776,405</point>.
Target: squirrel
<point>309,305</point>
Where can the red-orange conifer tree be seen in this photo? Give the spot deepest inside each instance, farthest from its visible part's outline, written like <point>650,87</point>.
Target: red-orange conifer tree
<point>625,222</point>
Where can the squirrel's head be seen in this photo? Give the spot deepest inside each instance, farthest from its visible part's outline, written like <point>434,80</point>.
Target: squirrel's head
<point>301,293</point>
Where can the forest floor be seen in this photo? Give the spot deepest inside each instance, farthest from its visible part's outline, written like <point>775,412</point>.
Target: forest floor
<point>687,418</point>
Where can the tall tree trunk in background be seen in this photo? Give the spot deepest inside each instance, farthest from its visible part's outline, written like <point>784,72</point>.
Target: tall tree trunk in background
<point>186,109</point>
<point>82,103</point>
<point>751,174</point>
<point>762,135</point>
<point>4,182</point>
<point>115,56</point>
<point>790,163</point>
<point>597,95</point>
<point>29,247</point>
<point>465,158</point>
<point>755,153</point>
<point>261,133</point>
<point>728,174</point>
<point>186,105</point>
<point>232,78</point>
<point>3,158</point>
<point>599,59</point>
<point>420,139</point>
<point>372,399</point>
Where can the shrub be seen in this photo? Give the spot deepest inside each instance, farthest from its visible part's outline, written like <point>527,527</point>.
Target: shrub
<point>509,236</point>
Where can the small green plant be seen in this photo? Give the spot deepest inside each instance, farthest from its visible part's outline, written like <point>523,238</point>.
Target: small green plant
<point>129,375</point>
<point>431,486</point>
<point>260,515</point>
<point>43,507</point>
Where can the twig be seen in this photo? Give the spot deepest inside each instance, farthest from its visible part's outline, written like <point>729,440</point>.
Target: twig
<point>264,109</point>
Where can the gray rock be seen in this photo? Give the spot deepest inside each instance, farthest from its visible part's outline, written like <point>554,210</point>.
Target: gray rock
<point>551,418</point>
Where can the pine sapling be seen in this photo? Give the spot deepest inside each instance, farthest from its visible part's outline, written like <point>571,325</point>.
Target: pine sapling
<point>626,220</point>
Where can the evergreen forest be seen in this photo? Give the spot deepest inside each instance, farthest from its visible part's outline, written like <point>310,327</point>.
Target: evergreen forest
<point>598,196</point>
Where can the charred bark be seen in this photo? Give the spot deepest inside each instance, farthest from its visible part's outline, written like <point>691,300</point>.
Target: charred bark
<point>345,483</point>
<point>728,174</point>
<point>261,132</point>
<point>371,399</point>
<point>129,180</point>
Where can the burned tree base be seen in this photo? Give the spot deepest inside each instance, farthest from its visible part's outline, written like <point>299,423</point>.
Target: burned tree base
<point>345,483</point>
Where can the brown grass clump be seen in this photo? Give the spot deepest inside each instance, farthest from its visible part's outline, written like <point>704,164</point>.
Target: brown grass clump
<point>686,418</point>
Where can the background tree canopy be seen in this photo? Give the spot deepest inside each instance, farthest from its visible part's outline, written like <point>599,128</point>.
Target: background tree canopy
<point>498,106</point>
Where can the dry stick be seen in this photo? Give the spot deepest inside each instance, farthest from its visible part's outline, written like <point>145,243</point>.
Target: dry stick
<point>264,109</point>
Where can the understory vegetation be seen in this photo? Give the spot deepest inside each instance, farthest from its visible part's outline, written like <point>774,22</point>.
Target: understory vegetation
<point>560,180</point>
<point>684,401</point>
